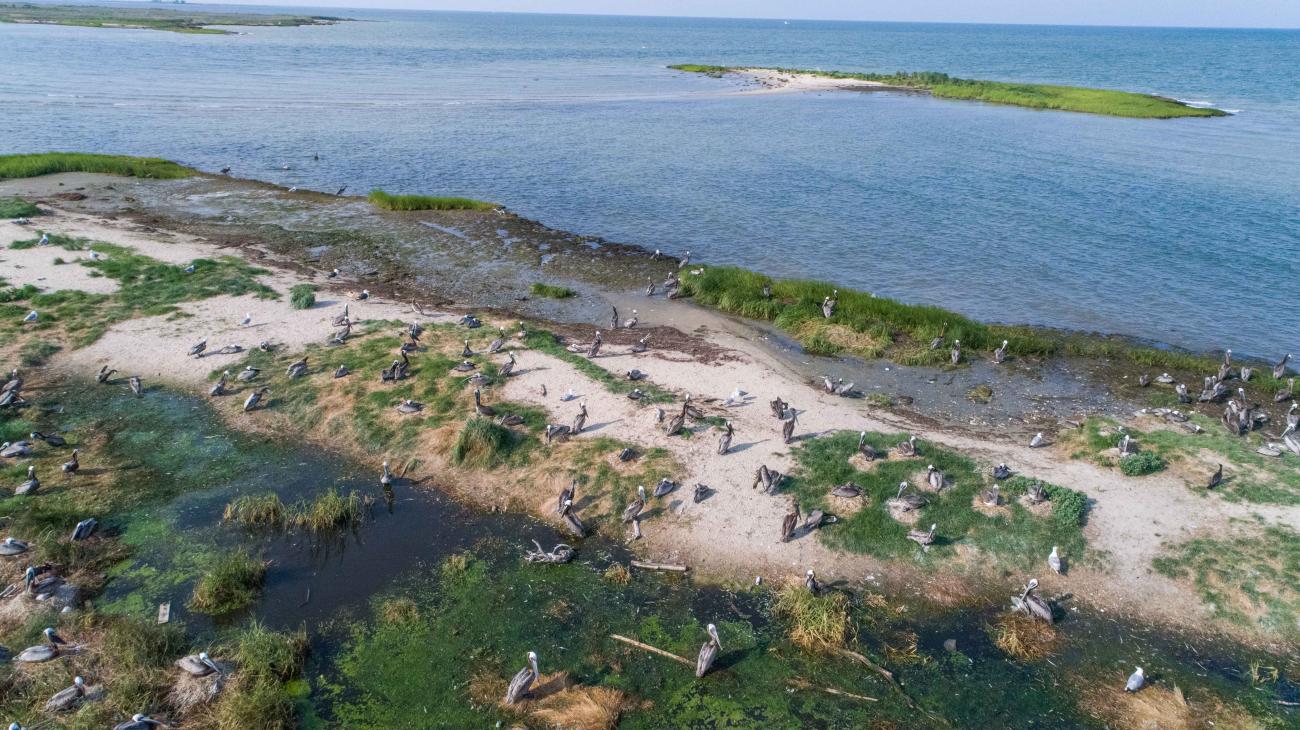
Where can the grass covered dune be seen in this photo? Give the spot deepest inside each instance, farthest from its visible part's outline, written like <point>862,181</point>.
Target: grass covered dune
<point>1034,96</point>
<point>49,163</point>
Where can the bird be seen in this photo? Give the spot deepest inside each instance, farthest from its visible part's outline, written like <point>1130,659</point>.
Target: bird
<point>71,465</point>
<point>790,522</point>
<point>496,344</point>
<point>865,448</point>
<point>1183,395</point>
<point>631,321</point>
<point>481,409</point>
<point>507,368</point>
<point>1000,354</point>
<point>1280,368</point>
<point>198,665</point>
<point>247,320</point>
<point>992,496</point>
<point>340,191</point>
<point>1036,441</point>
<point>138,721</point>
<point>633,509</point>
<point>466,352</point>
<point>701,493</point>
<point>52,439</point>
<point>934,477</point>
<point>409,406</point>
<point>848,490</point>
<point>42,652</point>
<point>1054,560</point>
<point>104,374</point>
<point>225,171</point>
<point>650,288</point>
<point>787,428</point>
<point>955,353</point>
<point>595,345</point>
<point>297,368</point>
<point>1032,605</point>
<point>724,441</point>
<point>16,449</point>
<point>10,547</point>
<point>641,345</point>
<point>1216,478</point>
<point>196,350</point>
<point>571,521</point>
<point>580,420</point>
<point>364,295</point>
<point>937,342</point>
<point>1285,393</point>
<point>341,371</point>
<point>219,388</point>
<point>31,485</point>
<point>85,529</point>
<point>566,495</point>
<point>255,398</point>
<point>908,447</point>
<point>67,698</point>
<point>810,582</point>
<point>386,477</point>
<point>248,373</point>
<point>829,304</point>
<point>685,260</point>
<point>31,316</point>
<point>708,652</point>
<point>921,537</point>
<point>1001,471</point>
<point>1136,680</point>
<point>523,681</point>
<point>556,431</point>
<point>1245,374</point>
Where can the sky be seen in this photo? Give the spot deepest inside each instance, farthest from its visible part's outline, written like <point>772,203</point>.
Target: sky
<point>1195,13</point>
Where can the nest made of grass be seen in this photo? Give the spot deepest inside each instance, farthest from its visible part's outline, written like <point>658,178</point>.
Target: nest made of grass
<point>1023,637</point>
<point>818,623</point>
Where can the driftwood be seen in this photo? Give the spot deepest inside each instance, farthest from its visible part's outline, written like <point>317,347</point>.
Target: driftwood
<point>561,553</point>
<point>889,676</point>
<point>805,684</point>
<point>653,650</point>
<point>866,662</point>
<point>660,566</point>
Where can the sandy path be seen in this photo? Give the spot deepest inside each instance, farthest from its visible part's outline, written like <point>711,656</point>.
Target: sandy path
<point>771,81</point>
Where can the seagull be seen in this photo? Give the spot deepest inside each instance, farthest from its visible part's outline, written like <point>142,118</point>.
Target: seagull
<point>1135,681</point>
<point>45,240</point>
<point>189,269</point>
<point>248,319</point>
<point>1036,441</point>
<point>1054,561</point>
<point>31,316</point>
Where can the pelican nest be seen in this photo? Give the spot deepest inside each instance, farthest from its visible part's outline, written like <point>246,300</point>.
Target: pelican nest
<point>189,692</point>
<point>1041,509</point>
<point>816,623</point>
<point>859,462</point>
<point>899,510</point>
<point>1156,707</point>
<point>1024,637</point>
<point>556,701</point>
<point>846,506</point>
<point>977,503</point>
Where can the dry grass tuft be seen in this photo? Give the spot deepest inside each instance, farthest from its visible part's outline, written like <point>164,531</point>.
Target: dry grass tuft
<point>1153,708</point>
<point>823,337</point>
<point>902,648</point>
<point>1023,637</point>
<point>189,692</point>
<point>817,623</point>
<point>399,611</point>
<point>618,574</point>
<point>583,708</point>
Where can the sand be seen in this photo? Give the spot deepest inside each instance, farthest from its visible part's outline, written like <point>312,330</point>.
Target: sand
<point>771,81</point>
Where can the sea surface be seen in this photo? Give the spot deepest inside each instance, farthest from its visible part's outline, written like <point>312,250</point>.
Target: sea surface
<point>1184,232</point>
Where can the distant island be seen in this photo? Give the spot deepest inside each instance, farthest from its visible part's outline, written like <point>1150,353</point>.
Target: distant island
<point>177,21</point>
<point>1034,96</point>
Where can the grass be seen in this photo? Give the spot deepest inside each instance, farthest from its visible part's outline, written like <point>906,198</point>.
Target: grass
<point>981,393</point>
<point>1023,637</point>
<point>302,296</point>
<point>552,292</point>
<point>177,21</point>
<point>232,583</point>
<point>1034,96</point>
<point>37,352</point>
<point>818,623</point>
<point>258,510</point>
<point>1250,579</point>
<point>1141,464</point>
<point>332,510</point>
<point>17,208</point>
<point>381,199</point>
<point>483,444</point>
<point>49,163</point>
<point>67,243</point>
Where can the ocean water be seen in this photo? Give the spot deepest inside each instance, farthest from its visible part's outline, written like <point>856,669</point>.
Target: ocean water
<point>1184,232</point>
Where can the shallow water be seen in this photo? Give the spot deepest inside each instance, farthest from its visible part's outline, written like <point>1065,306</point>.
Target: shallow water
<point>1178,231</point>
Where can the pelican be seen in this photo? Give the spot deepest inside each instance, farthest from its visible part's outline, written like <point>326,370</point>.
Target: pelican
<point>14,383</point>
<point>1183,395</point>
<point>568,395</point>
<point>136,386</point>
<point>342,319</point>
<point>219,387</point>
<point>1054,561</point>
<point>934,477</point>
<point>655,256</point>
<point>955,353</point>
<point>52,439</point>
<point>566,496</point>
<point>865,448</point>
<point>42,652</point>
<point>247,320</point>
<point>37,586</point>
<point>664,487</point>
<point>790,522</point>
<point>937,342</point>
<point>17,449</point>
<point>104,374</point>
<point>466,352</point>
<point>595,345</point>
<point>635,375</point>
<point>1227,358</point>
<point>482,410</point>
<point>701,493</point>
<point>225,171</point>
<point>613,318</point>
<point>31,316</point>
<point>1033,606</point>
<point>921,537</point>
<point>520,685</point>
<point>708,652</point>
<point>1144,380</point>
<point>247,374</point>
<point>1280,368</point>
<point>32,483</point>
<point>341,371</point>
<point>632,321</point>
<point>138,721</point>
<point>364,295</point>
<point>1036,441</point>
<point>848,490</point>
<point>571,520</point>
<point>557,431</point>
<point>297,368</point>
<point>507,368</point>
<point>778,407</point>
<point>640,345</point>
<point>409,406</point>
<point>1036,494</point>
<point>66,699</point>
<point>464,366</point>
<point>1245,374</point>
<point>992,496</point>
<point>198,665</point>
<point>196,350</point>
<point>1127,445</point>
<point>580,420</point>
<point>45,239</point>
<point>829,304</point>
<point>650,288</point>
<point>685,260</point>
<point>908,447</point>
<point>633,510</point>
<point>10,547</point>
<point>911,501</point>
<point>1285,393</point>
<point>1135,680</point>
<point>84,529</point>
<point>254,398</point>
<point>386,478</point>
<point>1000,354</point>
<point>787,429</point>
<point>724,441</point>
<point>1001,471</point>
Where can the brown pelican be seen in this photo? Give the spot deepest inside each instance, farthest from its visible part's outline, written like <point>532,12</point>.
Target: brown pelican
<point>42,652</point>
<point>1280,368</point>
<point>255,398</point>
<point>556,431</point>
<point>955,353</point>
<point>640,345</point>
<point>580,420</point>
<point>865,448</point>
<point>1227,358</point>
<point>810,582</point>
<point>650,288</point>
<point>676,423</point>
<point>386,477</point>
<point>32,483</point>
<point>523,681</point>
<point>724,441</point>
<point>219,388</point>
<point>16,449</point>
<point>1292,418</point>
<point>342,335</point>
<point>1032,605</point>
<point>595,345</point>
<point>1144,380</point>
<point>196,350</point>
<point>685,260</point>
<point>910,501</point>
<point>508,367</point>
<point>708,652</point>
<point>248,373</point>
<point>829,304</point>
<point>198,665</point>
<point>482,410</point>
<point>1001,471</point>
<point>1285,393</point>
<point>342,320</point>
<point>1036,494</point>
<point>1245,374</point>
<point>778,407</point>
<point>53,439</point>
<point>138,721</point>
<point>922,537</point>
<point>1216,478</point>
<point>10,547</point>
<point>466,352</point>
<point>815,520</point>
<point>341,371</point>
<point>934,477</point>
<point>937,342</point>
<point>631,321</point>
<point>363,295</point>
<point>14,383</point>
<point>613,318</point>
<point>1127,445</point>
<point>297,368</point>
<point>1183,395</point>
<point>68,698</point>
<point>848,490</point>
<point>84,529</point>
<point>571,520</point>
<point>633,509</point>
<point>1054,560</point>
<point>566,495</point>
<point>464,366</point>
<point>134,383</point>
<point>1136,680</point>
<point>787,428</point>
<point>635,375</point>
<point>409,406</point>
<point>908,447</point>
<point>36,586</point>
<point>790,522</point>
<point>1037,440</point>
<point>1000,354</point>
<point>992,496</point>
<point>496,344</point>
<point>104,374</point>
<point>664,487</point>
<point>701,493</point>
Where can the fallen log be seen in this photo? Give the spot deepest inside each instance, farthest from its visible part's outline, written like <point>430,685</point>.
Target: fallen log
<point>660,566</point>
<point>653,650</point>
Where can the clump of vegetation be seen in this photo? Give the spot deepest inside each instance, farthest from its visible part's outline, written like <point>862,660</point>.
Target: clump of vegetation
<point>148,18</point>
<point>17,208</point>
<point>332,510</point>
<point>618,574</point>
<point>48,163</point>
<point>981,393</point>
<point>552,292</point>
<point>1141,464</point>
<point>67,243</point>
<point>232,583</point>
<point>816,622</point>
<point>37,352</point>
<point>381,199</point>
<point>399,610</point>
<point>1024,637</point>
<point>258,510</point>
<point>302,296</point>
<point>260,695</point>
<point>483,443</point>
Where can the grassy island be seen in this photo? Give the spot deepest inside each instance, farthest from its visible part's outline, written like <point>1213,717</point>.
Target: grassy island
<point>1034,96</point>
<point>49,163</point>
<point>177,21</point>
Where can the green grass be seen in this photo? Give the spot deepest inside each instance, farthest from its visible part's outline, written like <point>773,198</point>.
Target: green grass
<point>37,352</point>
<point>332,510</point>
<point>232,583</point>
<point>1034,96</point>
<point>484,444</point>
<point>1250,580</point>
<point>1141,464</point>
<point>381,199</point>
<point>174,20</point>
<point>552,292</point>
<point>17,208</point>
<point>258,510</point>
<point>302,296</point>
<point>67,243</point>
<point>48,163</point>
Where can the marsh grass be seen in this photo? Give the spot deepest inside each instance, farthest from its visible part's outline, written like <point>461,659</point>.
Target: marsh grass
<point>232,583</point>
<point>258,510</point>
<point>1023,637</point>
<point>18,208</point>
<point>302,296</point>
<point>484,444</point>
<point>551,291</point>
<point>48,163</point>
<point>331,510</point>
<point>819,623</point>
<point>381,199</point>
<point>35,352</point>
<point>67,243</point>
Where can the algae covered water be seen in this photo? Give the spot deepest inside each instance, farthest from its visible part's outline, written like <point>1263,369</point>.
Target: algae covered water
<point>1005,214</point>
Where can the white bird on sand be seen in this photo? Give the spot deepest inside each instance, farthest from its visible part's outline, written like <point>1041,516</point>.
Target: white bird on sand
<point>31,316</point>
<point>1054,561</point>
<point>737,397</point>
<point>94,255</point>
<point>45,239</point>
<point>1036,441</point>
<point>189,269</point>
<point>1135,681</point>
<point>568,395</point>
<point>248,319</point>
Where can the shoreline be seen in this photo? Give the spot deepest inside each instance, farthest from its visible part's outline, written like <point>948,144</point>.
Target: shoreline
<point>689,535</point>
